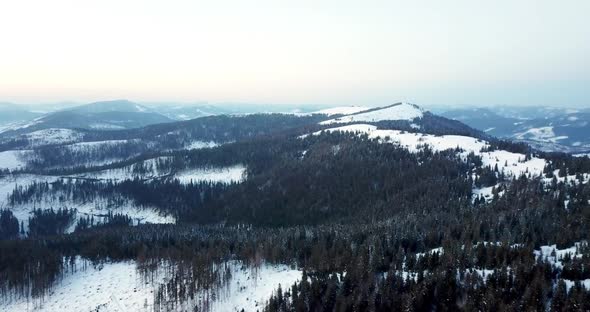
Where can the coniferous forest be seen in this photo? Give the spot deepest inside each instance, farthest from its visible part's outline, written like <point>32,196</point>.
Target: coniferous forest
<point>372,226</point>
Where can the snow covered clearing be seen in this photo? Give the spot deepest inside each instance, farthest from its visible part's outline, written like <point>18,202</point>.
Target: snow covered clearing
<point>540,134</point>
<point>342,110</point>
<point>486,192</point>
<point>95,144</point>
<point>105,287</point>
<point>118,286</point>
<point>97,208</point>
<point>8,184</point>
<point>234,174</point>
<point>250,289</point>
<point>201,144</point>
<point>555,256</point>
<point>143,170</point>
<point>154,171</point>
<point>93,147</point>
<point>12,160</point>
<point>105,126</point>
<point>53,136</point>
<point>513,164</point>
<point>402,111</point>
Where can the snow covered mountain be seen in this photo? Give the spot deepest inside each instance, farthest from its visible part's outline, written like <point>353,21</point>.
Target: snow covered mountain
<point>12,115</point>
<point>549,129</point>
<point>185,112</point>
<point>110,106</point>
<point>108,115</point>
<point>257,178</point>
<point>401,116</point>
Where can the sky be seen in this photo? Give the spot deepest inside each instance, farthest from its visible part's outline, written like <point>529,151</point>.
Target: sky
<point>456,52</point>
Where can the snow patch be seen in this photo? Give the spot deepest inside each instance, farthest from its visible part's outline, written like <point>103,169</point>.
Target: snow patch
<point>569,284</point>
<point>201,145</point>
<point>555,256</point>
<point>105,126</point>
<point>234,174</point>
<point>486,192</point>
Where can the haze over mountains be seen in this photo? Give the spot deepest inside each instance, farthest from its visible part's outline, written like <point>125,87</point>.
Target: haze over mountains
<point>545,128</point>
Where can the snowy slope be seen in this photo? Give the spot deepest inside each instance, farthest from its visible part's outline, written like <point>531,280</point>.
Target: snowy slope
<point>249,289</point>
<point>7,185</point>
<point>402,111</point>
<point>118,286</point>
<point>12,160</point>
<point>540,134</point>
<point>512,164</point>
<point>106,287</point>
<point>22,125</point>
<point>53,136</point>
<point>97,208</point>
<point>545,128</point>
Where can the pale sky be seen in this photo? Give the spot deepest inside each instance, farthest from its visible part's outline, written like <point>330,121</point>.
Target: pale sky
<point>531,52</point>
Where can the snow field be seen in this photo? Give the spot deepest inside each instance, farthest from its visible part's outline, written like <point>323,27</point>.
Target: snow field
<point>53,136</point>
<point>12,160</point>
<point>118,286</point>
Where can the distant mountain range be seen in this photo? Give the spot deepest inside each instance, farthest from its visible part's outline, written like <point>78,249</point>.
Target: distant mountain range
<point>119,114</point>
<point>11,114</point>
<point>545,128</point>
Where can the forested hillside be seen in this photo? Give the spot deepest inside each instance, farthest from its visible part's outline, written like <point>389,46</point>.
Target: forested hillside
<point>379,210</point>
